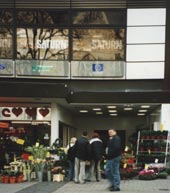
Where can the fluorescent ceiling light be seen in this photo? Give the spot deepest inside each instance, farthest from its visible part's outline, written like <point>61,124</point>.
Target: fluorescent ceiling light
<point>96,109</point>
<point>145,106</point>
<point>99,113</point>
<point>112,111</point>
<point>83,111</point>
<point>143,110</point>
<point>128,108</point>
<point>141,114</point>
<point>111,107</point>
<point>114,114</point>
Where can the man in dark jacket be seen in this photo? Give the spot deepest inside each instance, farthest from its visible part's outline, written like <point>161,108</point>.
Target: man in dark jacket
<point>97,150</point>
<point>113,153</point>
<point>81,155</point>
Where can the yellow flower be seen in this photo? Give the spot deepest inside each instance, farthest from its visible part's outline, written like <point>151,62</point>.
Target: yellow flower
<point>31,158</point>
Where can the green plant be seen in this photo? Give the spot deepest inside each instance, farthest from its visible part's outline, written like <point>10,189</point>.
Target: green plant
<point>39,153</point>
<point>162,175</point>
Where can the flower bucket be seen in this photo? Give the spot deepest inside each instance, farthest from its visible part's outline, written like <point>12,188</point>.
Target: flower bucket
<point>20,178</point>
<point>12,179</point>
<point>40,176</point>
<point>5,179</point>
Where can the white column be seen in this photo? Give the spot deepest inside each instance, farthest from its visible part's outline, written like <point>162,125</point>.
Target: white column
<point>165,116</point>
<point>54,122</point>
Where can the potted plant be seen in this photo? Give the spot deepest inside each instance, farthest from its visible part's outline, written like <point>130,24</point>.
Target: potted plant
<point>39,153</point>
<point>12,177</point>
<point>19,177</point>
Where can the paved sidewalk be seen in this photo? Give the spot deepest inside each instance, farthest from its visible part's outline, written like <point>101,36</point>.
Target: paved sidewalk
<point>127,186</point>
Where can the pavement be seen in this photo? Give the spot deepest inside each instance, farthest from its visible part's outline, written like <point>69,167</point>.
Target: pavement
<point>127,186</point>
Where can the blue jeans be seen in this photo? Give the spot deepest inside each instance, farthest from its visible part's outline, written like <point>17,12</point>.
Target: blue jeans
<point>113,171</point>
<point>71,170</point>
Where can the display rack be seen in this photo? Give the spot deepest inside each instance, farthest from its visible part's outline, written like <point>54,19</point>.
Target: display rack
<point>153,147</point>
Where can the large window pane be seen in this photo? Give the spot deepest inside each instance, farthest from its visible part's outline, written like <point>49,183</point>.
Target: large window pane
<point>154,34</point>
<point>6,16</point>
<point>45,17</point>
<point>150,52</point>
<point>6,43</point>
<point>42,43</point>
<point>114,17</point>
<point>98,44</point>
<point>146,17</point>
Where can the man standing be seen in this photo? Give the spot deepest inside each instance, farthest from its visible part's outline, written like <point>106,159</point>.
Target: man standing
<point>81,155</point>
<point>113,153</point>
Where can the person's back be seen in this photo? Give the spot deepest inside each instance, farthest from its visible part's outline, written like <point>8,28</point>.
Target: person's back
<point>81,155</point>
<point>96,148</point>
<point>81,148</point>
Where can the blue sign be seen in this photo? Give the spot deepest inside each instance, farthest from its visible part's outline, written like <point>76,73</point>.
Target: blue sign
<point>2,66</point>
<point>97,67</point>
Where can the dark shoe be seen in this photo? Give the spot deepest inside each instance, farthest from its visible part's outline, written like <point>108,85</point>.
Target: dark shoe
<point>110,187</point>
<point>87,180</point>
<point>114,189</point>
<point>97,180</point>
<point>76,182</point>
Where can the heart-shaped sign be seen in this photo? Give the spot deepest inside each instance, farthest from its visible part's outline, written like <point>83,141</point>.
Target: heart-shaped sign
<point>44,112</point>
<point>31,111</point>
<point>17,111</point>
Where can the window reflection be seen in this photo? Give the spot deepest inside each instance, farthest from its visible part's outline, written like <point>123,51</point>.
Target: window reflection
<point>98,44</point>
<point>6,45</point>
<point>42,43</point>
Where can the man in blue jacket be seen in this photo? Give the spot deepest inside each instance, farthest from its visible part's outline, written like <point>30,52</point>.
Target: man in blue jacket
<point>113,153</point>
<point>82,153</point>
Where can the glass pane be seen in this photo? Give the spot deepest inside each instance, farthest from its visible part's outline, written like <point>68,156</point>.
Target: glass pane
<point>98,44</point>
<point>146,17</point>
<point>99,17</point>
<point>150,52</point>
<point>146,34</point>
<point>42,43</point>
<point>145,70</point>
<point>53,17</point>
<point>6,43</point>
<point>6,17</point>
<point>42,17</point>
<point>27,17</point>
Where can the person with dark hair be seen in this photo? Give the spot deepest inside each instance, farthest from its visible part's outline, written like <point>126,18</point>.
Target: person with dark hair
<point>81,155</point>
<point>113,153</point>
<point>97,150</point>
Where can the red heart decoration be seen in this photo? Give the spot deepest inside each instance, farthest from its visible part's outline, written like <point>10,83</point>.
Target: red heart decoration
<point>44,112</point>
<point>17,111</point>
<point>31,111</point>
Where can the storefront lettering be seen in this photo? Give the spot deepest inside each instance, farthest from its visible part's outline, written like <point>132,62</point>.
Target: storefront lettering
<point>30,111</point>
<point>107,45</point>
<point>53,44</point>
<point>41,68</point>
<point>6,112</point>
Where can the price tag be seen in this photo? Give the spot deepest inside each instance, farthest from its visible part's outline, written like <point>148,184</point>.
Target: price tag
<point>20,141</point>
<point>125,165</point>
<point>146,166</point>
<point>161,127</point>
<point>149,151</point>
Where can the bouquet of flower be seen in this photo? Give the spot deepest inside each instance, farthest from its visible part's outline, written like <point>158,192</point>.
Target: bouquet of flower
<point>39,153</point>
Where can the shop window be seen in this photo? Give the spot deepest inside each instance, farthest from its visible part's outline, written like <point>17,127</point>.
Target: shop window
<point>91,17</point>
<point>6,43</point>
<point>6,17</point>
<point>42,43</point>
<point>43,17</point>
<point>99,44</point>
